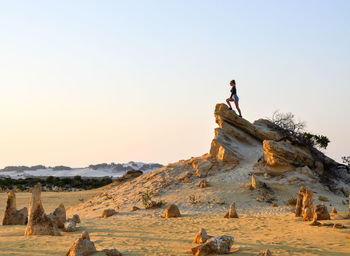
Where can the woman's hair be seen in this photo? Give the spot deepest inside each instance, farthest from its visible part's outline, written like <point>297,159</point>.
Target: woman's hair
<point>234,82</point>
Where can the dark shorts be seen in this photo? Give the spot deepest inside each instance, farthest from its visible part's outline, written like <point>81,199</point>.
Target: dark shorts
<point>235,97</point>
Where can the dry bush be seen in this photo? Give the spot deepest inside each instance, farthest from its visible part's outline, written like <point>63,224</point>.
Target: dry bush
<point>292,201</point>
<point>192,199</point>
<point>148,203</point>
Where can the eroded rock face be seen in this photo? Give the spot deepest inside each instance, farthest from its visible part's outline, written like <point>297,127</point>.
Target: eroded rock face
<point>38,222</point>
<point>231,212</point>
<point>12,216</point>
<point>201,237</point>
<point>202,167</point>
<point>82,246</point>
<point>321,212</point>
<point>281,154</point>
<point>172,212</point>
<point>108,212</point>
<point>59,216</point>
<point>215,245</point>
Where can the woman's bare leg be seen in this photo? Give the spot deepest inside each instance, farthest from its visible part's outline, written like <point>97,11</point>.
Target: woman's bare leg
<point>229,103</point>
<point>238,109</point>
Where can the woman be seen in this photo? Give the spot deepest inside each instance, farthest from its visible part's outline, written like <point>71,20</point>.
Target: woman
<point>234,97</point>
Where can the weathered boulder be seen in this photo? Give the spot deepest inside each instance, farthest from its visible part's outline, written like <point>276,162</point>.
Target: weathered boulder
<point>304,206</point>
<point>82,246</point>
<point>172,212</point>
<point>283,154</point>
<point>69,226</point>
<point>265,253</point>
<point>38,222</point>
<point>108,212</point>
<point>12,216</point>
<point>201,237</point>
<point>59,216</point>
<point>215,245</point>
<point>321,212</point>
<point>202,167</point>
<point>231,212</point>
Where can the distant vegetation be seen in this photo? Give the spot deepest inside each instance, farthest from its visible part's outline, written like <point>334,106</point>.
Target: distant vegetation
<point>294,131</point>
<point>54,183</point>
<point>346,160</point>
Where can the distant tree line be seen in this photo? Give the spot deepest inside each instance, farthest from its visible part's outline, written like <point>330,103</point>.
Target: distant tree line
<point>50,182</point>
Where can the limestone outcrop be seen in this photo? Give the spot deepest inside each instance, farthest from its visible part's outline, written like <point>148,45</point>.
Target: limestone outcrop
<point>231,212</point>
<point>82,246</point>
<point>283,154</point>
<point>59,216</point>
<point>172,212</point>
<point>12,216</point>
<point>38,222</point>
<point>201,237</point>
<point>304,206</point>
<point>321,212</point>
<point>215,245</point>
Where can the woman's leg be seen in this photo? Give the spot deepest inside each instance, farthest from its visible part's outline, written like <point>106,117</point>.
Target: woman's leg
<point>229,103</point>
<point>237,107</point>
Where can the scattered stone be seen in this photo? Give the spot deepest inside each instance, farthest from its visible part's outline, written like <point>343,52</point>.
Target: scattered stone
<point>75,218</point>
<point>202,168</point>
<point>172,212</point>
<point>255,183</point>
<point>112,252</point>
<point>201,237</point>
<point>13,216</point>
<point>108,212</point>
<point>334,211</point>
<point>265,253</point>
<point>82,246</point>
<point>321,212</point>
<point>215,245</point>
<point>338,225</point>
<point>231,212</point>
<point>38,222</point>
<point>69,226</point>
<point>258,199</point>
<point>135,208</point>
<point>59,216</point>
<point>202,184</point>
<point>323,198</point>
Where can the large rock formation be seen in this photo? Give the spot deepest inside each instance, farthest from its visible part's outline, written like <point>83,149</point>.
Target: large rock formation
<point>13,216</point>
<point>38,222</point>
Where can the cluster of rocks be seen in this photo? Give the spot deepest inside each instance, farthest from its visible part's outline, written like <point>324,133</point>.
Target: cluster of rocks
<point>37,221</point>
<point>211,245</point>
<point>84,246</point>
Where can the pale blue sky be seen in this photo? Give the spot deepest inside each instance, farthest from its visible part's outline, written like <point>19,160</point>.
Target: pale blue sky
<point>86,82</point>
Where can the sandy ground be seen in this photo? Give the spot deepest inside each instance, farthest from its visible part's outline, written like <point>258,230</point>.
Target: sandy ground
<point>145,233</point>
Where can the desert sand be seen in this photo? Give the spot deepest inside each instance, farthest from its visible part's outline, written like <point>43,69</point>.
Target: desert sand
<point>145,233</point>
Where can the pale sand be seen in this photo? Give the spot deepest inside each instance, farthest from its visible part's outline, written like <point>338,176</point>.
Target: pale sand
<point>145,233</point>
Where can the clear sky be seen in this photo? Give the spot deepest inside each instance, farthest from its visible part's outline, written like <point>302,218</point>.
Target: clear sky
<point>86,82</point>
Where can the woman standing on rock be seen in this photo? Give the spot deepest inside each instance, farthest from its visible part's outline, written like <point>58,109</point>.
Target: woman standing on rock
<point>234,97</point>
